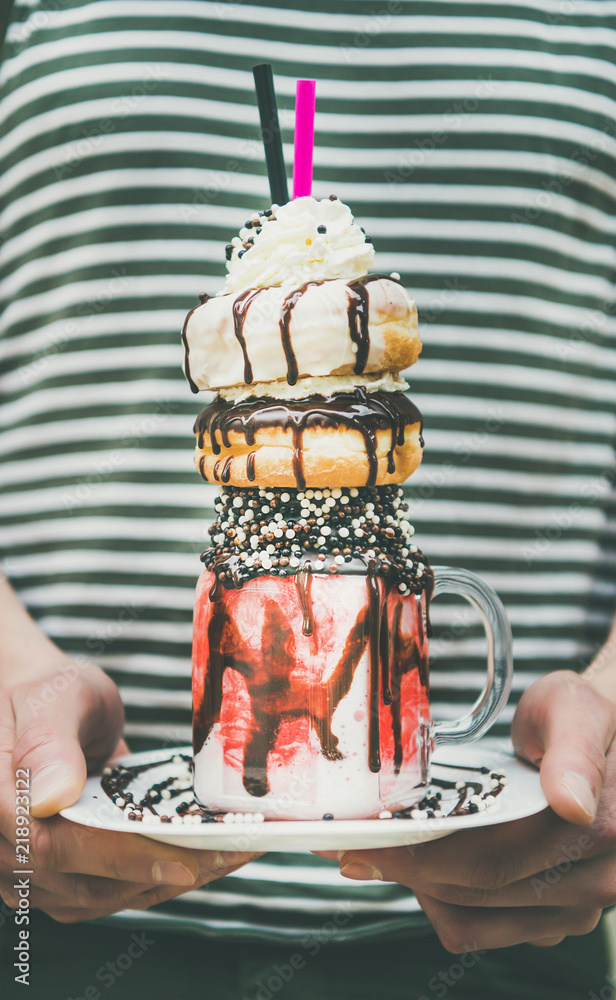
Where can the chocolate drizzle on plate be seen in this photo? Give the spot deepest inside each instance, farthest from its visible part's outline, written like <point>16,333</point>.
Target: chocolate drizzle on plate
<point>442,798</point>
<point>359,410</point>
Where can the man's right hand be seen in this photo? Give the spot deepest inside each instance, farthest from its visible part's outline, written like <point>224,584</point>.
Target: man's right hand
<point>81,873</point>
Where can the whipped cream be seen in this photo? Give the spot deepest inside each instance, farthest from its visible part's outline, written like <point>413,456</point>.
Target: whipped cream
<point>325,385</point>
<point>288,249</point>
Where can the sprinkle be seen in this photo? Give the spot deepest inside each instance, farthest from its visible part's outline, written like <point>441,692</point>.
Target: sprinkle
<point>385,814</point>
<point>395,275</point>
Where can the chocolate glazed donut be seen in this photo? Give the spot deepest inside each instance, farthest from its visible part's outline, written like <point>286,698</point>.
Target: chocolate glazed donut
<point>227,431</point>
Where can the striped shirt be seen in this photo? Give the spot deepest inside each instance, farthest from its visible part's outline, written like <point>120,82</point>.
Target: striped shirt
<point>476,144</point>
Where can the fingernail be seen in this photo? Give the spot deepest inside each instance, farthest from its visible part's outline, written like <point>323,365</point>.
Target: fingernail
<point>47,781</point>
<point>229,859</point>
<point>173,873</point>
<point>355,870</point>
<point>579,789</point>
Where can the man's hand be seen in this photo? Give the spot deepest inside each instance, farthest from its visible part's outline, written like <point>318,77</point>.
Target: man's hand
<point>81,873</point>
<point>535,880</point>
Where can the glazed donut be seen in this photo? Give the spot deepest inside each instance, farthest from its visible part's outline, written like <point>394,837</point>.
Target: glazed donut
<point>334,327</point>
<point>347,439</point>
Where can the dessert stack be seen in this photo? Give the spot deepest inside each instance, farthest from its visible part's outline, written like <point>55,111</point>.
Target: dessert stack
<point>310,661</point>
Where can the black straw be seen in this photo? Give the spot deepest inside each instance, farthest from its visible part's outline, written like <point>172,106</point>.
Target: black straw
<point>270,131</point>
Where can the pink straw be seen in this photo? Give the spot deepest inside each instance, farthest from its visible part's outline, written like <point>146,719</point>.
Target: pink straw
<point>304,137</point>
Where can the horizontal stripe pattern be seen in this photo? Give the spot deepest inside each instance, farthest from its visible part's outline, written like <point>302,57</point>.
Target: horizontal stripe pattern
<point>475,143</point>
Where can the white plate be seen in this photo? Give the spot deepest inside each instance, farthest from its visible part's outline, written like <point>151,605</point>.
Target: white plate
<point>522,796</point>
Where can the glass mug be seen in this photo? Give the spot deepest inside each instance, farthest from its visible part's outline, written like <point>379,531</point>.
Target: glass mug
<point>311,693</point>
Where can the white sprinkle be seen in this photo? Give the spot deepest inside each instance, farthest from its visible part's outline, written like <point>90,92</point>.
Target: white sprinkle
<point>254,541</point>
<point>108,770</point>
<point>320,520</point>
<point>395,275</point>
<point>310,494</point>
<point>343,532</point>
<point>354,492</point>
<point>269,496</point>
<point>327,493</point>
<point>165,794</point>
<point>278,517</point>
<point>326,531</point>
<point>236,241</point>
<point>293,562</point>
<point>229,818</point>
<point>120,803</point>
<point>336,493</point>
<point>359,532</point>
<point>319,564</point>
<point>278,533</point>
<point>318,495</point>
<point>344,500</point>
<point>244,233</point>
<point>270,549</point>
<point>285,497</point>
<point>340,560</point>
<point>238,502</point>
<point>415,813</point>
<point>300,496</point>
<point>259,817</point>
<point>290,533</point>
<point>475,799</point>
<point>385,814</point>
<point>320,540</point>
<point>460,784</point>
<point>177,820</point>
<point>265,509</point>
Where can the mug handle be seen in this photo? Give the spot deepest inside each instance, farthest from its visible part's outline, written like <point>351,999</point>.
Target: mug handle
<point>492,700</point>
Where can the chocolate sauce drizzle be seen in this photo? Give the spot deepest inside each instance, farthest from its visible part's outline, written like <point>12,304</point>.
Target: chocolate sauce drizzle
<point>240,308</point>
<point>358,323</point>
<point>358,410</point>
<point>193,386</point>
<point>273,697</point>
<point>285,334</point>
